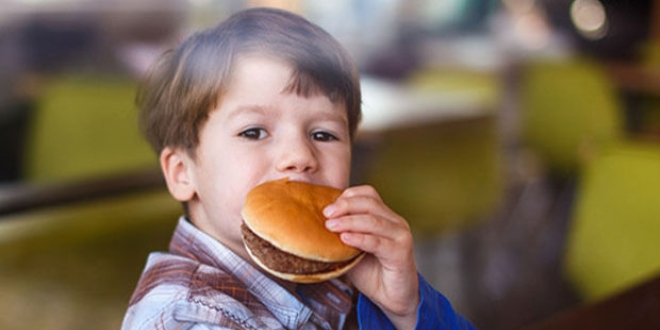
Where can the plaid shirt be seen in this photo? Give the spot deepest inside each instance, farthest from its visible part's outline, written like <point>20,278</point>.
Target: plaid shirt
<point>200,284</point>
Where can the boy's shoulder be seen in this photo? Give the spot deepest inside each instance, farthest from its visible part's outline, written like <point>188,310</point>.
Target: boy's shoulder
<point>198,280</point>
<point>164,270</point>
<point>175,290</point>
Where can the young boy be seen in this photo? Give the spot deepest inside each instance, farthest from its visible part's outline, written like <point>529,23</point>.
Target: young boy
<point>263,96</point>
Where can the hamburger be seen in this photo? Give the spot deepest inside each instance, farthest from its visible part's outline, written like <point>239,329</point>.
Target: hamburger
<point>284,232</point>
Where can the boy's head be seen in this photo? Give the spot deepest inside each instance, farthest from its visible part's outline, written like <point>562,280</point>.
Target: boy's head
<point>188,82</point>
<point>263,96</point>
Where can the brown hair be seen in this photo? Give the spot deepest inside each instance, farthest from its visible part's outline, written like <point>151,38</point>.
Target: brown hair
<point>187,82</point>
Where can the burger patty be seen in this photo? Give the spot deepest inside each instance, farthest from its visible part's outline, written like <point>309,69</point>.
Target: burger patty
<point>284,262</point>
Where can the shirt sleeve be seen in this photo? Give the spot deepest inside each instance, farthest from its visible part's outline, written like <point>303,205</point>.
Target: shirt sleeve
<point>434,312</point>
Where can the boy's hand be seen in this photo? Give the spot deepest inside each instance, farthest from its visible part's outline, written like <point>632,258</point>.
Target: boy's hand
<point>387,274</point>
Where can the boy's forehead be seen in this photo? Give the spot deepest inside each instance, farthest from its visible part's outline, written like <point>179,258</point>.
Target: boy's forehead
<point>264,70</point>
<point>254,69</point>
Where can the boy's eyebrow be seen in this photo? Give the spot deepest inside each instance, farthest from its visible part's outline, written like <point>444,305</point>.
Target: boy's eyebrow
<point>243,109</point>
<point>262,110</point>
<point>333,116</point>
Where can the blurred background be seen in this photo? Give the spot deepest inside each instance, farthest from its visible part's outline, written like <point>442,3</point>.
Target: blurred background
<point>520,138</point>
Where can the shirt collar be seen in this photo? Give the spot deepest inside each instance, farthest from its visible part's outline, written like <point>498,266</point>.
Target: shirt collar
<point>190,242</point>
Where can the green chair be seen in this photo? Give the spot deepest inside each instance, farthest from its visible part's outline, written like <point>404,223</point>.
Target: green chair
<point>572,119</point>
<point>615,236</point>
<point>82,127</point>
<point>568,110</point>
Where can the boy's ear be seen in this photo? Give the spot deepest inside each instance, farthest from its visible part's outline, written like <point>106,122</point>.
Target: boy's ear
<point>176,169</point>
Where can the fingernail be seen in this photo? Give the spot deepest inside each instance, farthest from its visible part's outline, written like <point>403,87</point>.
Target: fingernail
<point>331,224</point>
<point>346,238</point>
<point>329,211</point>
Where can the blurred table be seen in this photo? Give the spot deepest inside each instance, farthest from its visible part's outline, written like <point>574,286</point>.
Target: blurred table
<point>388,105</point>
<point>21,197</point>
<point>636,308</point>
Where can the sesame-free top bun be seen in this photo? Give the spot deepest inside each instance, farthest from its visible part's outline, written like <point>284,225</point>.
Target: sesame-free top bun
<point>288,215</point>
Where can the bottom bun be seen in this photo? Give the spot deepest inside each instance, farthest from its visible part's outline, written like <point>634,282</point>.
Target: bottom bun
<point>306,278</point>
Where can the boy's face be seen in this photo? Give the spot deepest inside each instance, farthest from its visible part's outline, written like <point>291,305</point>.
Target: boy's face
<point>261,133</point>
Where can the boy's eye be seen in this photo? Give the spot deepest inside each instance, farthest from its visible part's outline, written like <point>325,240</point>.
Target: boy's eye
<point>323,136</point>
<point>253,133</point>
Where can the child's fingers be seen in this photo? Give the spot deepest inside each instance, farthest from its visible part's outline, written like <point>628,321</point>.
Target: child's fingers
<point>388,273</point>
<point>384,248</point>
<point>365,223</point>
<point>375,235</point>
<point>361,200</point>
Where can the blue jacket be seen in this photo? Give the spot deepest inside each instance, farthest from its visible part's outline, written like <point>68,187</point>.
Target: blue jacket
<point>434,312</point>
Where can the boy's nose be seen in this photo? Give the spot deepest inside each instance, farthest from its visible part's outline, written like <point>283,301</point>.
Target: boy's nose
<point>297,157</point>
